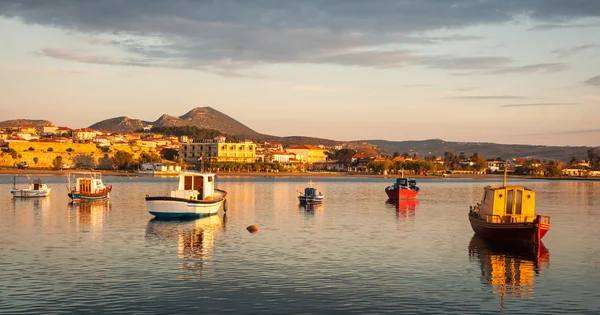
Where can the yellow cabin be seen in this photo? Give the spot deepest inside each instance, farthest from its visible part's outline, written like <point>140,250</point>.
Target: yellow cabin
<point>507,204</point>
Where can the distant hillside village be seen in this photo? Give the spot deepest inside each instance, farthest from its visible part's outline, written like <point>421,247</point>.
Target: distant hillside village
<point>176,148</point>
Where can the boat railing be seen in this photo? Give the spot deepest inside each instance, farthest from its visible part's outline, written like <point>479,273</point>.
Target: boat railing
<point>495,218</point>
<point>543,219</point>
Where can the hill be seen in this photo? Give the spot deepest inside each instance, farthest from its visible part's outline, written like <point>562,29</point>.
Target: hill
<point>489,150</point>
<point>25,122</point>
<point>206,118</point>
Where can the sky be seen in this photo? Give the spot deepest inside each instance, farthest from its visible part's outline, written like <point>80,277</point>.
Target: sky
<point>506,71</point>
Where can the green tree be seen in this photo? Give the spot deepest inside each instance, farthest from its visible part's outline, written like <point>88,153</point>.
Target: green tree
<point>396,154</point>
<point>122,160</point>
<point>170,154</point>
<point>13,153</point>
<point>593,158</point>
<point>57,163</point>
<point>149,157</point>
<point>479,162</point>
<point>573,161</point>
<point>554,168</point>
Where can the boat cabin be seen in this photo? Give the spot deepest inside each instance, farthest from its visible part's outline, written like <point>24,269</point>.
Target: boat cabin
<point>507,204</point>
<point>402,182</point>
<point>310,192</point>
<point>195,186</point>
<point>87,185</point>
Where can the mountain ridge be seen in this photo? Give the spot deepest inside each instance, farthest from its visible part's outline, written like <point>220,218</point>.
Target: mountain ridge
<point>209,118</point>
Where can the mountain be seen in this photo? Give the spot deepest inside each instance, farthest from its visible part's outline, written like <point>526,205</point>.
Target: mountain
<point>25,122</point>
<point>207,118</point>
<point>121,124</point>
<point>489,150</point>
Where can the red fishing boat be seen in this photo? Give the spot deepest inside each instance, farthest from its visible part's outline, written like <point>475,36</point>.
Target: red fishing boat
<point>507,213</point>
<point>403,188</point>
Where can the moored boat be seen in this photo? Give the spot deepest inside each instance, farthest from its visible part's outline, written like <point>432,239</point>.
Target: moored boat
<point>195,196</point>
<point>310,195</point>
<point>507,213</point>
<point>403,188</point>
<point>87,186</point>
<point>36,189</point>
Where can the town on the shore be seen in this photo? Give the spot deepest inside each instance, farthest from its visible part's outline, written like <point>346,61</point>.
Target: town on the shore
<point>172,149</point>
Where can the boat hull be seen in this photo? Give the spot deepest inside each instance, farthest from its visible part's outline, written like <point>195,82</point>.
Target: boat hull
<point>30,193</point>
<point>315,199</point>
<point>401,193</point>
<point>78,196</point>
<point>509,232</point>
<point>172,207</point>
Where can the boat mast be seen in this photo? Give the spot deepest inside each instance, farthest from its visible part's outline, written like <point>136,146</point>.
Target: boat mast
<point>505,167</point>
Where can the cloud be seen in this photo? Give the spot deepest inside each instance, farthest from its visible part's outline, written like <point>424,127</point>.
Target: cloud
<point>489,97</point>
<point>231,37</point>
<point>593,81</point>
<point>416,85</point>
<point>539,104</point>
<point>562,53</point>
<point>541,67</point>
<point>318,88</point>
<point>581,131</point>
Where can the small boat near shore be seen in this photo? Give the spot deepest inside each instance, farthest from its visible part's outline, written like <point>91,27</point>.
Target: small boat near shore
<point>87,186</point>
<point>36,189</point>
<point>195,196</point>
<point>507,213</point>
<point>310,195</point>
<point>403,188</point>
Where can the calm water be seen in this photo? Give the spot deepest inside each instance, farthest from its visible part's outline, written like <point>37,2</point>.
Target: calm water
<point>355,254</point>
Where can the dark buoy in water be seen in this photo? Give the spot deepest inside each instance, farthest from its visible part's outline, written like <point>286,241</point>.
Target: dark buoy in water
<point>252,228</point>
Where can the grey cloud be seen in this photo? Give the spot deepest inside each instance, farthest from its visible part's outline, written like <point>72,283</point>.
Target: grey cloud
<point>539,104</point>
<point>464,63</point>
<point>542,67</point>
<point>593,81</point>
<point>233,35</point>
<point>562,53</point>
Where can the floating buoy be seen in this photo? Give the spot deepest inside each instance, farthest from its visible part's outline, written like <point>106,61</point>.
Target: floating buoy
<point>252,228</point>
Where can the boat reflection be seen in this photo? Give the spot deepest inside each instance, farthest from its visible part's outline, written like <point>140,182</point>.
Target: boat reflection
<point>404,207</point>
<point>509,268</point>
<point>194,238</point>
<point>310,208</point>
<point>92,214</point>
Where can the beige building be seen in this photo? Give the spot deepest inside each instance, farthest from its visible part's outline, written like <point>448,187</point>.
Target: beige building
<point>308,153</point>
<point>218,150</point>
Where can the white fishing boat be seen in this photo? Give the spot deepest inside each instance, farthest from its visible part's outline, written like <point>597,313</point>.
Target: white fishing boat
<point>36,189</point>
<point>310,195</point>
<point>196,195</point>
<point>87,186</point>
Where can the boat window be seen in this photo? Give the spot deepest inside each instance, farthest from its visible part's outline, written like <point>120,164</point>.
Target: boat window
<point>509,201</point>
<point>485,197</point>
<point>518,203</point>
<point>210,179</point>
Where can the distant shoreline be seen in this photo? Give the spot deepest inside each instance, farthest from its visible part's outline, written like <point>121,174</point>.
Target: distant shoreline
<point>15,171</point>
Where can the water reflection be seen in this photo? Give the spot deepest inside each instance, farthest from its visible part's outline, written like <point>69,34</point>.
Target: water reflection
<point>509,268</point>
<point>194,238</point>
<point>89,214</point>
<point>310,208</point>
<point>405,208</point>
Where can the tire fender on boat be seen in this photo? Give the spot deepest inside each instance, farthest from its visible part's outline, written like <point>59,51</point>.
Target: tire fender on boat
<point>225,205</point>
